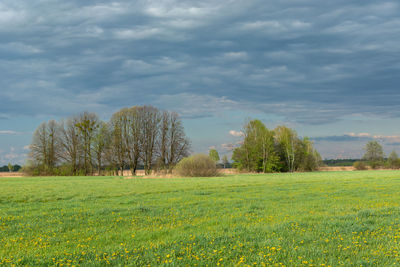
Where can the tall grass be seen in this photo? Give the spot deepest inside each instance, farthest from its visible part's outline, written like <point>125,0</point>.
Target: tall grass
<point>332,218</point>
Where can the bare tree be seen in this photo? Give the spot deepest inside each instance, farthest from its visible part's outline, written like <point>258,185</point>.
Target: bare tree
<point>70,141</point>
<point>163,140</point>
<point>99,145</point>
<point>116,154</point>
<point>87,124</point>
<point>45,146</point>
<point>126,125</point>
<point>53,130</point>
<point>38,147</point>
<point>110,157</point>
<point>178,143</point>
<point>136,135</point>
<point>150,120</point>
<point>133,138</point>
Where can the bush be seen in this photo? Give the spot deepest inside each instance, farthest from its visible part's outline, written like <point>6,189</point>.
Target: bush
<point>375,164</point>
<point>197,166</point>
<point>360,166</point>
<point>392,164</point>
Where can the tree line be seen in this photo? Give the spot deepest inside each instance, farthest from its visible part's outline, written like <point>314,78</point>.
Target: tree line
<point>374,157</point>
<point>84,145</point>
<point>265,150</point>
<point>10,168</point>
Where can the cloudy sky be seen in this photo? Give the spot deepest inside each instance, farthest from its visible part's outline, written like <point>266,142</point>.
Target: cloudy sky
<point>329,69</point>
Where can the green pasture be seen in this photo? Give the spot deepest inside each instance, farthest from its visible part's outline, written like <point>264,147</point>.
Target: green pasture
<point>301,219</point>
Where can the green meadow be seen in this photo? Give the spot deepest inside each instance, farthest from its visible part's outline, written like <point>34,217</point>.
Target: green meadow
<point>301,219</point>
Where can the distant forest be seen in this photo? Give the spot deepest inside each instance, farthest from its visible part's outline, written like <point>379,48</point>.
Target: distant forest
<point>339,162</point>
<point>6,169</point>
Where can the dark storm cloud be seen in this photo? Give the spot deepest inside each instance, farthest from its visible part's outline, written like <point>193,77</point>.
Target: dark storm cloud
<point>311,62</point>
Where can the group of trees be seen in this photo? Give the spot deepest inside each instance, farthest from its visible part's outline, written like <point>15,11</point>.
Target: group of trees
<point>374,157</point>
<point>84,145</point>
<point>265,150</point>
<point>214,155</point>
<point>10,168</point>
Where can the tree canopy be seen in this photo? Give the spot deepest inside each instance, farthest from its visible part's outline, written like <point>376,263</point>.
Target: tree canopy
<point>265,150</point>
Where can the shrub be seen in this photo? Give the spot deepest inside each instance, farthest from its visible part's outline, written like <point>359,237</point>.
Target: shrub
<point>375,164</point>
<point>197,166</point>
<point>359,165</point>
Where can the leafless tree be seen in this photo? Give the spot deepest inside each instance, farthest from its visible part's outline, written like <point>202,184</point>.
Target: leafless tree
<point>150,120</point>
<point>53,143</point>
<point>179,144</point>
<point>163,141</point>
<point>136,135</point>
<point>116,154</point>
<point>45,146</point>
<point>173,145</point>
<point>87,124</point>
<point>100,143</point>
<point>71,147</point>
<point>39,145</point>
<point>133,137</point>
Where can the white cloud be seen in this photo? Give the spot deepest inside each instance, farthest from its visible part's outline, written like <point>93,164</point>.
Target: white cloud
<point>236,55</point>
<point>381,137</point>
<point>300,24</point>
<point>9,16</point>
<point>236,133</point>
<point>200,58</point>
<point>259,25</point>
<point>359,134</point>
<point>282,55</point>
<point>13,155</point>
<point>388,138</point>
<point>184,23</point>
<point>137,33</point>
<point>8,132</point>
<point>275,26</point>
<point>176,11</point>
<point>228,146</point>
<point>156,66</point>
<point>21,48</point>
<point>94,31</point>
<point>195,105</point>
<point>348,27</point>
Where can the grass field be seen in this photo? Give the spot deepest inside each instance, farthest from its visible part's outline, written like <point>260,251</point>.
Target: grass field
<point>303,219</point>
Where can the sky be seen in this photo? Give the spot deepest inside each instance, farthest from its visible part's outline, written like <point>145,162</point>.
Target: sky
<point>328,69</point>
